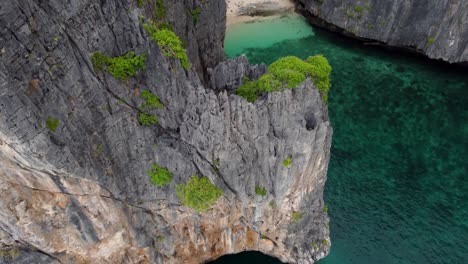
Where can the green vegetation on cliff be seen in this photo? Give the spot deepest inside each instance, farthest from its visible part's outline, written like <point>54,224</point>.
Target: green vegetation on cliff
<point>52,123</point>
<point>151,102</point>
<point>287,162</point>
<point>198,193</point>
<point>289,72</point>
<point>196,14</point>
<point>260,190</point>
<point>170,44</point>
<point>146,119</point>
<point>120,67</point>
<point>160,176</point>
<point>296,216</point>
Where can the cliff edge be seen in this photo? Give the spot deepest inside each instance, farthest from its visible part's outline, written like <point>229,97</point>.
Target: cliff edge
<point>436,28</point>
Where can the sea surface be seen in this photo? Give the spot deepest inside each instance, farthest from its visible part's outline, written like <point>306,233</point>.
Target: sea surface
<point>397,187</point>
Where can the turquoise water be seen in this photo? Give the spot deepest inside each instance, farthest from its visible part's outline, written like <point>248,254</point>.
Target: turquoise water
<point>397,185</point>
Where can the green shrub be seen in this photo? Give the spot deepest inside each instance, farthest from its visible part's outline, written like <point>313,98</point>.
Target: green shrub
<point>160,10</point>
<point>146,119</point>
<point>314,245</point>
<point>151,100</point>
<point>195,14</point>
<point>321,71</point>
<point>359,9</point>
<point>289,72</point>
<point>287,162</point>
<point>140,3</point>
<point>199,193</point>
<point>170,44</point>
<point>52,123</point>
<point>159,175</point>
<point>259,190</point>
<point>430,41</point>
<point>325,208</point>
<point>248,90</point>
<point>99,61</point>
<point>165,25</point>
<point>126,66</point>
<point>120,67</point>
<point>216,164</point>
<point>324,242</point>
<point>272,204</point>
<point>296,216</point>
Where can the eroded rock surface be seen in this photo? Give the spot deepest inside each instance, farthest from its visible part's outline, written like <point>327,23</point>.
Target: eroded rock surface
<point>80,194</point>
<point>437,28</point>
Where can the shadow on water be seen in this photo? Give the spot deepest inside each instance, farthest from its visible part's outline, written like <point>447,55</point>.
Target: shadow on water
<point>247,257</point>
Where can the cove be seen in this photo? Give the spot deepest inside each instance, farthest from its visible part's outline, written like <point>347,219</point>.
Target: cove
<point>397,186</point>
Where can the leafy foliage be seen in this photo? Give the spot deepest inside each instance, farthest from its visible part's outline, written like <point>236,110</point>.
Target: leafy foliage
<point>120,67</point>
<point>359,9</point>
<point>259,190</point>
<point>169,42</point>
<point>52,123</point>
<point>146,119</point>
<point>325,208</point>
<point>289,72</point>
<point>160,10</point>
<point>296,216</point>
<point>287,162</point>
<point>430,41</point>
<point>151,100</point>
<point>195,14</point>
<point>160,176</point>
<point>314,245</point>
<point>321,71</point>
<point>199,193</point>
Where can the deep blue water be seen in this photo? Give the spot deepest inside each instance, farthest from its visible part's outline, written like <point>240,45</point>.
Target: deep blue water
<point>397,186</point>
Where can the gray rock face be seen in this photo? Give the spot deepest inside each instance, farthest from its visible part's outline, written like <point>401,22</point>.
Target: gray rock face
<point>437,28</point>
<point>80,194</point>
<point>228,75</point>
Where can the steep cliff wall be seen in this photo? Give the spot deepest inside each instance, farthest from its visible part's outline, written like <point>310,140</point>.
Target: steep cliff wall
<point>80,194</point>
<point>437,28</point>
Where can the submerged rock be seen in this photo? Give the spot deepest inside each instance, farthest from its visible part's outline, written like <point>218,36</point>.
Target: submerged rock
<point>437,28</point>
<point>79,193</point>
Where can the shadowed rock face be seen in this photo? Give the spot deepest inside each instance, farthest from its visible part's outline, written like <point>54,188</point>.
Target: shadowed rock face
<point>437,28</point>
<point>80,194</point>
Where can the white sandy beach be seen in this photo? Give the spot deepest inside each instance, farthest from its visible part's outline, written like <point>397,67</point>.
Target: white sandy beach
<point>234,8</point>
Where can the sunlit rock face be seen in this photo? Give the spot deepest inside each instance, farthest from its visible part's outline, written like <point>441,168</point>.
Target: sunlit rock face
<point>437,28</point>
<point>80,193</point>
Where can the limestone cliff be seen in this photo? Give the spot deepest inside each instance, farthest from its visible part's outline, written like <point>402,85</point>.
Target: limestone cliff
<point>79,193</point>
<point>437,28</point>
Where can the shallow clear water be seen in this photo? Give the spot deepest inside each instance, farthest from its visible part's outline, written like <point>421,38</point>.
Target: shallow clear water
<point>397,185</point>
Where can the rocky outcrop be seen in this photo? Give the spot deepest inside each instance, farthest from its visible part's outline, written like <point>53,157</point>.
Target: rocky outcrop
<point>437,28</point>
<point>80,193</point>
<point>228,75</point>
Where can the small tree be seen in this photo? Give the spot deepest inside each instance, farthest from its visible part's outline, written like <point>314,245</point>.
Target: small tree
<point>259,190</point>
<point>198,193</point>
<point>159,175</point>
